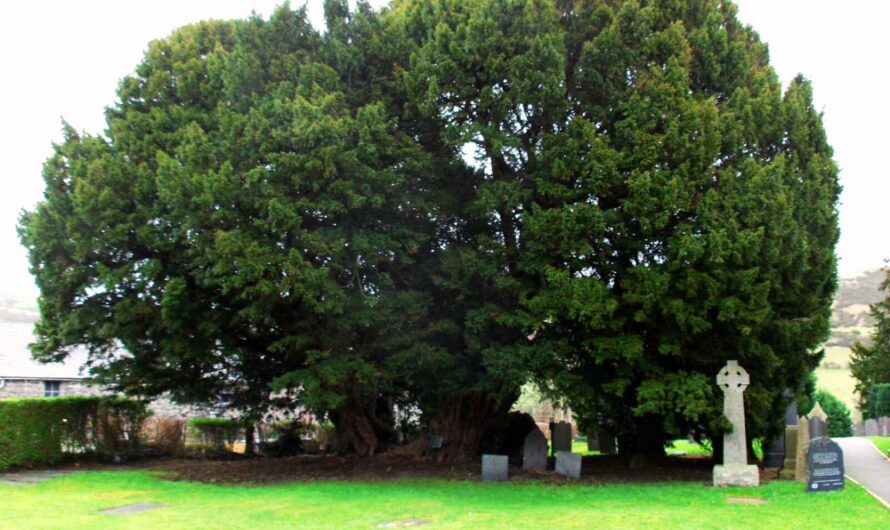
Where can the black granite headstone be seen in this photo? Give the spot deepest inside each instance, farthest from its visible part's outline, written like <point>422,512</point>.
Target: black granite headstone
<point>825,466</point>
<point>606,443</point>
<point>774,455</point>
<point>560,436</point>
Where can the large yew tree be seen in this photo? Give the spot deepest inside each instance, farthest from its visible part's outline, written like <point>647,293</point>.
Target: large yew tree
<point>420,208</point>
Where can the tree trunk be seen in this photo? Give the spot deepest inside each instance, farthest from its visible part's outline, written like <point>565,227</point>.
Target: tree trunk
<point>364,427</point>
<point>463,424</point>
<point>249,432</point>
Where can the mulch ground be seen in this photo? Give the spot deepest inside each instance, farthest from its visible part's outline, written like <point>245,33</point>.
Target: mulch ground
<point>596,470</point>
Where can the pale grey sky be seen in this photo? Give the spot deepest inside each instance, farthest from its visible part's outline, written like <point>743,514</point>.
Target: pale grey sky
<point>65,58</point>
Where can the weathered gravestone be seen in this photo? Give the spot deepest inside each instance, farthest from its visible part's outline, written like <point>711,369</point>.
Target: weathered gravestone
<point>606,443</point>
<point>818,422</point>
<point>825,465</point>
<point>593,442</point>
<point>871,428</point>
<point>534,451</point>
<point>495,467</point>
<point>859,429</point>
<point>803,443</point>
<point>735,471</point>
<point>789,466</point>
<point>777,454</point>
<point>560,436</point>
<point>436,442</point>
<point>568,464</point>
<point>885,426</point>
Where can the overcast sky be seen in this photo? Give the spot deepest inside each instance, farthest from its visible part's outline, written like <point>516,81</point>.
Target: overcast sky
<point>64,59</point>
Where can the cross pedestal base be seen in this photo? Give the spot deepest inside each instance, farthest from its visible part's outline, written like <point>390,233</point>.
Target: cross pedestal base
<point>736,475</point>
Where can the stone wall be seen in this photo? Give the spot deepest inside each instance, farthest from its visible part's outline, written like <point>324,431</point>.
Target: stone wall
<point>162,407</point>
<point>29,388</point>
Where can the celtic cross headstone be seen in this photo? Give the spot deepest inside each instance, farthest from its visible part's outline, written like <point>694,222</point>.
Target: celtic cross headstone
<point>735,471</point>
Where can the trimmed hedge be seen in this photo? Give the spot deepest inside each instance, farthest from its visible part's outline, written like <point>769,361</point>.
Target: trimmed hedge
<point>839,422</point>
<point>41,431</point>
<point>879,401</point>
<point>210,435</point>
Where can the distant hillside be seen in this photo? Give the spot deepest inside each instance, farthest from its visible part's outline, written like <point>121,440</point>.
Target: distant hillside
<point>853,298</point>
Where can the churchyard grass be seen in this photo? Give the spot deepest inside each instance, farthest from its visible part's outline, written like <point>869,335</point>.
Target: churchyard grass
<point>73,501</point>
<point>882,443</point>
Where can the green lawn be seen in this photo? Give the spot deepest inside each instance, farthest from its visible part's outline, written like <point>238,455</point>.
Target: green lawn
<point>881,442</point>
<point>72,502</point>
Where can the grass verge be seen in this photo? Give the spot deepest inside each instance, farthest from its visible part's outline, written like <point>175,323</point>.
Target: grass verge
<point>74,500</point>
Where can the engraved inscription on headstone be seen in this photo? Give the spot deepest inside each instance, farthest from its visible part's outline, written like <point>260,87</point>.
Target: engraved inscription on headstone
<point>568,464</point>
<point>735,471</point>
<point>494,467</point>
<point>534,451</point>
<point>825,466</point>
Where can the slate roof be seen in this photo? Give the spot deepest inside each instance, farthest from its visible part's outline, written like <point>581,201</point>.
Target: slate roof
<point>16,361</point>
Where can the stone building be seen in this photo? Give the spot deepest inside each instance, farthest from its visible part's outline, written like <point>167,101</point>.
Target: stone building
<point>23,377</point>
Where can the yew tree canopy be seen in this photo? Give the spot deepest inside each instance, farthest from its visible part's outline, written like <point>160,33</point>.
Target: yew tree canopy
<point>448,197</point>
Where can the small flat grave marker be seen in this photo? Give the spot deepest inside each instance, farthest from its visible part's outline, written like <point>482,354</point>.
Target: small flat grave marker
<point>408,523</point>
<point>568,464</point>
<point>825,466</point>
<point>752,501</point>
<point>132,508</point>
<point>495,467</point>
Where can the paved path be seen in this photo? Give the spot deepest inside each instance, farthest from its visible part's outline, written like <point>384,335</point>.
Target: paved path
<point>864,464</point>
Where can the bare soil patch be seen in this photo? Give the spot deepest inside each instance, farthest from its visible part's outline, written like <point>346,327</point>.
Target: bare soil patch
<point>595,469</point>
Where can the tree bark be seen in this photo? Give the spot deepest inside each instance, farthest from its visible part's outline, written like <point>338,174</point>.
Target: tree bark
<point>364,426</point>
<point>463,424</point>
<point>249,446</point>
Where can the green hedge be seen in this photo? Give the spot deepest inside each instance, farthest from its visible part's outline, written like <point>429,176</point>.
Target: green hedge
<point>210,435</point>
<point>879,401</point>
<point>41,431</point>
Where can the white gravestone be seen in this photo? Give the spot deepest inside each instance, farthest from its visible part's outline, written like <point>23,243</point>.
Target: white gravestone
<point>735,471</point>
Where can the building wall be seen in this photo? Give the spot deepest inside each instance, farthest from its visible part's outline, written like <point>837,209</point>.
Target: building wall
<point>162,406</point>
<point>29,388</point>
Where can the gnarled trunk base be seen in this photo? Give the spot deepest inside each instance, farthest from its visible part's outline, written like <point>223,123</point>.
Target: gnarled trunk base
<point>364,427</point>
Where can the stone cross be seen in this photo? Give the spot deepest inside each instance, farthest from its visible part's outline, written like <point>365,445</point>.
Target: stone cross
<point>735,471</point>
<point>733,380</point>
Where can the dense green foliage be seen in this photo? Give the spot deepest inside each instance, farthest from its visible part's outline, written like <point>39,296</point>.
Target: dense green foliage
<point>839,422</point>
<point>401,220</point>
<point>870,365</point>
<point>40,431</point>
<point>210,435</point>
<point>878,401</point>
<point>76,499</point>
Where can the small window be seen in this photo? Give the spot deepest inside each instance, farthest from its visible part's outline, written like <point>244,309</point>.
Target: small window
<point>51,388</point>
